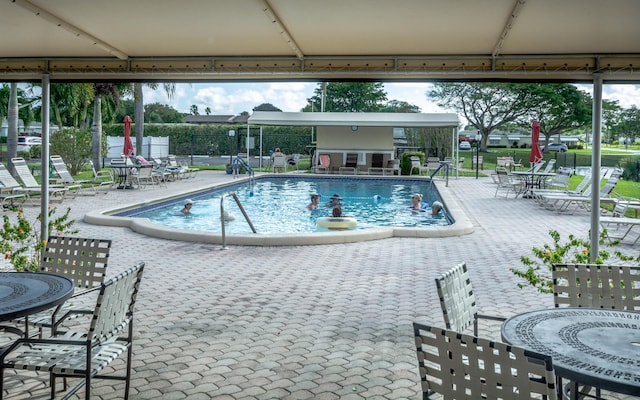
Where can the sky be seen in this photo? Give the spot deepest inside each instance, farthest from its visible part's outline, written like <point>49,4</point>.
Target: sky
<point>234,98</point>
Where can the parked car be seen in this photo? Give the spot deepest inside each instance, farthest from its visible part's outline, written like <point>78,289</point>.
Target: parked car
<point>25,143</point>
<point>465,145</point>
<point>561,147</point>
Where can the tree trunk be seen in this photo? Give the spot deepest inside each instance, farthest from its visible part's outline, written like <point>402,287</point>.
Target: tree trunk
<point>12,120</point>
<point>96,132</point>
<point>138,117</point>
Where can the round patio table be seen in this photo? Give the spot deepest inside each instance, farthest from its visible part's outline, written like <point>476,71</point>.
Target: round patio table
<point>24,293</point>
<point>590,346</point>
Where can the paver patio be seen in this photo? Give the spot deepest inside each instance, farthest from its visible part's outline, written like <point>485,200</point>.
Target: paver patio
<point>306,322</point>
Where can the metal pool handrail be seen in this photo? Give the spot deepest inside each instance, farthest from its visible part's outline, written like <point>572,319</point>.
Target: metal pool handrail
<point>246,217</point>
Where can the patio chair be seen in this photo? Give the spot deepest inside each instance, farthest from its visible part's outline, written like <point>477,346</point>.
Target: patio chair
<point>279,163</point>
<point>56,193</point>
<point>293,160</point>
<point>458,302</point>
<point>417,165</point>
<point>29,181</point>
<point>392,168</point>
<point>67,179</point>
<point>508,183</point>
<point>459,366</point>
<point>324,163</point>
<point>104,176</point>
<point>377,164</point>
<point>85,353</point>
<point>144,176</point>
<point>562,203</point>
<point>84,261</point>
<point>350,164</point>
<point>596,286</point>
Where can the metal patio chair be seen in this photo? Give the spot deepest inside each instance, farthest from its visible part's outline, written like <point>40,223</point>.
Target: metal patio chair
<point>459,366</point>
<point>85,353</point>
<point>596,286</point>
<point>82,260</point>
<point>458,302</point>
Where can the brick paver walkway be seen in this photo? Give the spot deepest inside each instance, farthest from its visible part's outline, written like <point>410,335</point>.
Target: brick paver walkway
<point>307,322</point>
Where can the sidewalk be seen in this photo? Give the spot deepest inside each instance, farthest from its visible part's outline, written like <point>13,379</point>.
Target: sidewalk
<point>306,322</point>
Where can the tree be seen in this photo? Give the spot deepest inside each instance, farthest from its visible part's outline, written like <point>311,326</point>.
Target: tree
<point>398,106</point>
<point>101,90</point>
<point>349,97</point>
<point>266,107</point>
<point>70,104</point>
<point>487,106</point>
<point>74,146</point>
<point>561,107</point>
<point>162,113</point>
<point>207,110</point>
<point>138,118</point>
<point>194,110</point>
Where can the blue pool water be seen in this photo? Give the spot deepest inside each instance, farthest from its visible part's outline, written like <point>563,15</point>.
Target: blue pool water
<point>278,205</point>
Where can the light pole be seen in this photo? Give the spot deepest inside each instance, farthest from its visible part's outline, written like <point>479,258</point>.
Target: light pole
<point>478,139</point>
<point>232,133</point>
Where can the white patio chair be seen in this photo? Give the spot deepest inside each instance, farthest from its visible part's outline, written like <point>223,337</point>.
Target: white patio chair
<point>417,165</point>
<point>458,303</point>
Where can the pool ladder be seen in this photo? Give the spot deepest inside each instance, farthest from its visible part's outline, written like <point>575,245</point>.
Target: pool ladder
<point>446,167</point>
<point>222,221</point>
<point>241,161</point>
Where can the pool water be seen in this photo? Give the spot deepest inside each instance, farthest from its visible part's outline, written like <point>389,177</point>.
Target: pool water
<point>278,205</point>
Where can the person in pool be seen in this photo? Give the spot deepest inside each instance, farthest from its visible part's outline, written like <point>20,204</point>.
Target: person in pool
<point>337,212</point>
<point>315,200</point>
<point>336,200</point>
<point>436,207</point>
<point>417,205</point>
<point>187,207</point>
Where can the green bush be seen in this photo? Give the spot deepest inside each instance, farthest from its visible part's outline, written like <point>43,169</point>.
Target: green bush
<point>74,146</point>
<point>405,161</point>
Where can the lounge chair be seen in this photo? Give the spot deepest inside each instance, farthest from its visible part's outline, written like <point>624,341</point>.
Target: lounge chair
<point>184,170</point>
<point>350,164</point>
<point>67,179</point>
<point>324,163</point>
<point>617,226</point>
<point>8,181</point>
<point>563,203</point>
<point>103,176</point>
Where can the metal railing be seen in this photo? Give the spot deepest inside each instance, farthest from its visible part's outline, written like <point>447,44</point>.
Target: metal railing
<point>222,216</point>
<point>446,176</point>
<point>239,161</point>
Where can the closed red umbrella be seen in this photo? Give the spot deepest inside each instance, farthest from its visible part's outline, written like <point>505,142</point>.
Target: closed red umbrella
<point>128,144</point>
<point>536,153</point>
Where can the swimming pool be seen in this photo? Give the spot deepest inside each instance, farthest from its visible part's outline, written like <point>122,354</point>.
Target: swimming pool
<point>277,205</point>
<point>127,215</point>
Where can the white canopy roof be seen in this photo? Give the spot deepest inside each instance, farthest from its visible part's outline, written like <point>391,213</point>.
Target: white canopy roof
<point>397,120</point>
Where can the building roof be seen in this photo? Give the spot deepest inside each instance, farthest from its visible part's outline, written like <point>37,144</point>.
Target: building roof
<point>397,120</point>
<point>216,119</point>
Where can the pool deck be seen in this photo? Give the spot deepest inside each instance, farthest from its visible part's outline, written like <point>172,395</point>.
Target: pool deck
<point>305,322</point>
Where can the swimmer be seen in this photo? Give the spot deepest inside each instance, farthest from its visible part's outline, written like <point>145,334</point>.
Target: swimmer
<point>337,212</point>
<point>336,200</point>
<point>187,207</point>
<point>417,205</point>
<point>315,200</point>
<point>436,207</point>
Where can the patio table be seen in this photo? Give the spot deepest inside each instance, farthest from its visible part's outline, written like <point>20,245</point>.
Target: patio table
<point>25,293</point>
<point>532,179</point>
<point>122,174</point>
<point>589,346</point>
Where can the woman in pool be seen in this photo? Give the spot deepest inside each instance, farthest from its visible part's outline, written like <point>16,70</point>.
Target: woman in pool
<point>417,205</point>
<point>336,200</point>
<point>187,207</point>
<point>436,207</point>
<point>315,200</point>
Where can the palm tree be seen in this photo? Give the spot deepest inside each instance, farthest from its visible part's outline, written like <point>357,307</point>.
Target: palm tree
<point>100,90</point>
<point>138,108</point>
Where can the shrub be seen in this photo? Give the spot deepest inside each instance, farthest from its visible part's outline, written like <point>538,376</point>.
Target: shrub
<point>21,242</point>
<point>575,250</point>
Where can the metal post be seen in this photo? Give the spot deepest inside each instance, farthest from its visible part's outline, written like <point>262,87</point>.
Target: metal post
<point>232,133</point>
<point>478,139</point>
